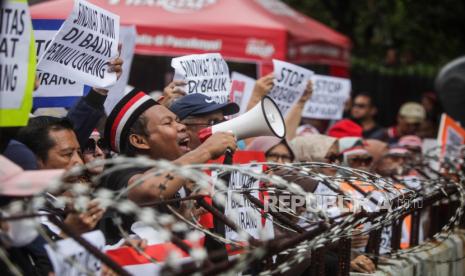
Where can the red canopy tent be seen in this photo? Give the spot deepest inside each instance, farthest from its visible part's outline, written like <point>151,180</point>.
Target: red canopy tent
<point>241,30</point>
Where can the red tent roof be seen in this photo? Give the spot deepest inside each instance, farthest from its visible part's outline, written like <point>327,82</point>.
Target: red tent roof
<point>255,30</point>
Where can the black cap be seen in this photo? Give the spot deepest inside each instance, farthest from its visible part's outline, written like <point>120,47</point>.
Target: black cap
<point>200,104</point>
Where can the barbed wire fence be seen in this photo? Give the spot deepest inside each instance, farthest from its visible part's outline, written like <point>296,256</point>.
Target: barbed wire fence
<point>371,203</point>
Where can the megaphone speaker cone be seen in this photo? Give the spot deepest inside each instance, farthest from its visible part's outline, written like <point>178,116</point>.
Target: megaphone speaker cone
<point>273,116</point>
<point>264,119</point>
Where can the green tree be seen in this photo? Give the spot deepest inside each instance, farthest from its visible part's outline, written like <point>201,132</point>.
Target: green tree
<point>426,32</point>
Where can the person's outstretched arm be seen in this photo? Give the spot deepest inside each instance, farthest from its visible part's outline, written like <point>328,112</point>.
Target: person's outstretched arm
<point>262,87</point>
<point>87,112</point>
<point>295,114</point>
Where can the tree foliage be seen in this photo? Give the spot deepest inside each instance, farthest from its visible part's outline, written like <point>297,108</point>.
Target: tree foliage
<point>427,32</point>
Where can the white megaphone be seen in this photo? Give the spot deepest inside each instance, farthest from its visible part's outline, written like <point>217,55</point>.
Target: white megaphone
<point>264,119</point>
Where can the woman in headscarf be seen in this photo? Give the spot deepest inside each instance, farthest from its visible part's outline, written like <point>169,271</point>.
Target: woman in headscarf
<point>315,148</point>
<point>276,150</point>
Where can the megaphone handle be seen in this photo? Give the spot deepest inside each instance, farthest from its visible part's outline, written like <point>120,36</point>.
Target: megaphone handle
<point>228,157</point>
<point>213,245</point>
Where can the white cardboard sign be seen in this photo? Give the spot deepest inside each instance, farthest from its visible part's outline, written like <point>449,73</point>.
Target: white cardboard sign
<point>84,45</point>
<point>52,85</point>
<point>243,212</point>
<point>128,38</point>
<point>69,249</point>
<point>241,90</point>
<point>328,98</point>
<point>289,84</point>
<point>206,73</point>
<point>15,37</point>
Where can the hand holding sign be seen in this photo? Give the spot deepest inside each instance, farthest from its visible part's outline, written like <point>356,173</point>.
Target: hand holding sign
<point>289,84</point>
<point>263,85</point>
<point>116,66</point>
<point>172,91</point>
<point>307,93</point>
<point>86,221</point>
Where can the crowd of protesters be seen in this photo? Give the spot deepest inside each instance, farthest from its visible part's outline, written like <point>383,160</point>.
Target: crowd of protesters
<point>167,128</point>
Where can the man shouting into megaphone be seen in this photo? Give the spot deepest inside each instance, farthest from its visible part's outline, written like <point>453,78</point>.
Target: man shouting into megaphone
<point>138,125</point>
<point>198,111</point>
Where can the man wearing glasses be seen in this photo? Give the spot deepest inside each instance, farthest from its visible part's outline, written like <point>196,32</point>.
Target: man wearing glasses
<point>198,111</point>
<point>363,112</point>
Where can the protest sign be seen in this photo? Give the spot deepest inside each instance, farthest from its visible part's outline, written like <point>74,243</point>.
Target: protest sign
<point>428,146</point>
<point>241,90</point>
<point>53,90</point>
<point>239,157</point>
<point>17,63</point>
<point>328,98</point>
<point>68,252</point>
<point>289,84</point>
<point>128,37</point>
<point>207,74</point>
<point>450,136</point>
<point>428,149</point>
<point>241,211</point>
<point>450,132</point>
<point>84,45</point>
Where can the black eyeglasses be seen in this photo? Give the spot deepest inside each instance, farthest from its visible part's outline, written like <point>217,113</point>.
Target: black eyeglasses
<point>275,157</point>
<point>209,123</point>
<point>360,161</point>
<point>91,146</point>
